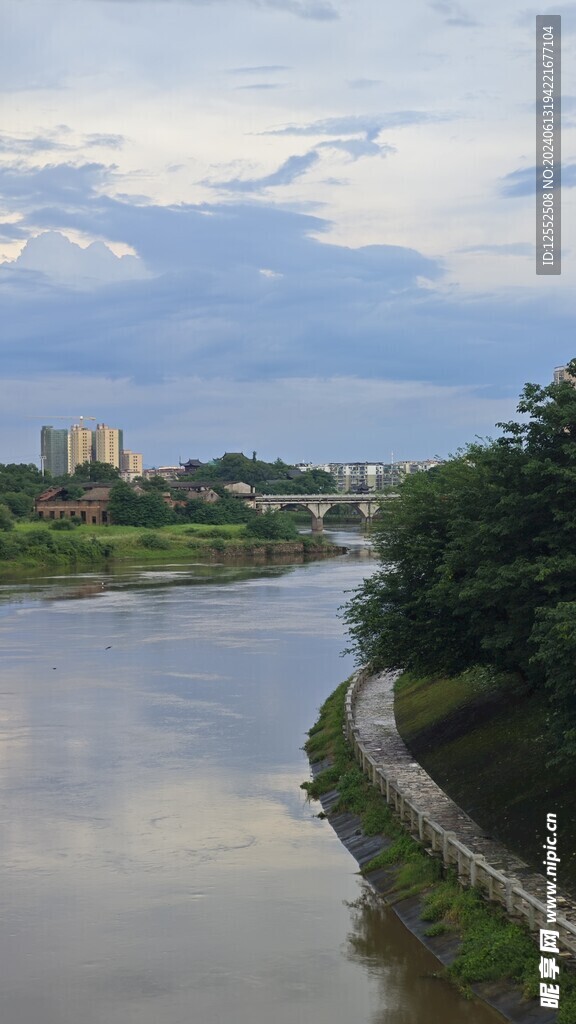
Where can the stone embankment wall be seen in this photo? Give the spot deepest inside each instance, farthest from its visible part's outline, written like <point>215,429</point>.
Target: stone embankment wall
<point>437,822</point>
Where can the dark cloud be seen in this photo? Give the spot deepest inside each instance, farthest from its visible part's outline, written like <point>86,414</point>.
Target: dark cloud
<point>62,183</point>
<point>244,290</point>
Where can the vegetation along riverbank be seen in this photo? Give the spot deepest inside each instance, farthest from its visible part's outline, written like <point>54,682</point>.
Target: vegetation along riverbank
<point>474,602</point>
<point>30,546</point>
<point>484,946</point>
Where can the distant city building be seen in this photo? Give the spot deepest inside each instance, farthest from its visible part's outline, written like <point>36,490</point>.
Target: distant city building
<point>191,466</point>
<point>130,463</point>
<point>107,445</point>
<point>361,477</point>
<point>561,375</point>
<point>54,450</point>
<point>167,472</point>
<point>79,447</point>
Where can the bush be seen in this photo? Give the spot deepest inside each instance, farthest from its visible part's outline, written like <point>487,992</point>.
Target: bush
<point>153,541</point>
<point>272,526</point>
<point>6,520</point>
<point>63,524</point>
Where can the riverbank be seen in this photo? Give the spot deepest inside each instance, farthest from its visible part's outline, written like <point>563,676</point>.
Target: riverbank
<point>480,945</point>
<point>491,762</point>
<point>36,546</point>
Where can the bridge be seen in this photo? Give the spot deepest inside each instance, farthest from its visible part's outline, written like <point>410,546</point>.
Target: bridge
<point>368,505</point>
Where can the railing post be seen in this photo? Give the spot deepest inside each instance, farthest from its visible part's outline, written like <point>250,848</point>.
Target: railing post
<point>446,846</point>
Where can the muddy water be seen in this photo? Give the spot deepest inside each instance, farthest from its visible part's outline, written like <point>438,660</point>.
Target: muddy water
<point>158,861</point>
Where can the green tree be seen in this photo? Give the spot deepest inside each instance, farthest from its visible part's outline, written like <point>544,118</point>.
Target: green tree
<point>20,503</point>
<point>6,519</point>
<point>478,560</point>
<point>123,505</point>
<point>95,472</point>
<point>313,481</point>
<point>272,526</point>
<point>128,508</point>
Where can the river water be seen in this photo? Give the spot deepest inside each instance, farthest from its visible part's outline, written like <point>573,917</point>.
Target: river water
<point>158,860</point>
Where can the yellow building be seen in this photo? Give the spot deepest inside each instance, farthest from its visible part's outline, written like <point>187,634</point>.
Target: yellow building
<point>107,445</point>
<point>79,446</point>
<point>131,462</point>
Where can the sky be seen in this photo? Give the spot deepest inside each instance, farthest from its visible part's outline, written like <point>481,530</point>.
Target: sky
<point>301,227</point>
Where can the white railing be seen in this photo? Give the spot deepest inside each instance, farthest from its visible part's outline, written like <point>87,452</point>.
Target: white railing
<point>473,868</point>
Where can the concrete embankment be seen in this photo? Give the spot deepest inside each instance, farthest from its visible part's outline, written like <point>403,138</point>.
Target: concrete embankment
<point>448,834</point>
<point>436,821</point>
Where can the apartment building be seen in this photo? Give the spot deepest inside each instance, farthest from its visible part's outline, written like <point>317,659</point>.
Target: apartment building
<point>107,445</point>
<point>79,446</point>
<point>54,450</point>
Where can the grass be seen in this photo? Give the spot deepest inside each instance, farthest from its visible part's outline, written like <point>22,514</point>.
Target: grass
<point>491,946</point>
<point>487,748</point>
<point>34,545</point>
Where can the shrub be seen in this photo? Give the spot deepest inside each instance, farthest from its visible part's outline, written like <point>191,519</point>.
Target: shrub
<point>153,541</point>
<point>63,524</point>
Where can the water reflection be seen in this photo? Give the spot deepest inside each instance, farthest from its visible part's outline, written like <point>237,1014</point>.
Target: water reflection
<point>158,861</point>
<point>405,973</point>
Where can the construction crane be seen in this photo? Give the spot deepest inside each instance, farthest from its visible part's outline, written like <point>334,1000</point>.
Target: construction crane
<point>80,419</point>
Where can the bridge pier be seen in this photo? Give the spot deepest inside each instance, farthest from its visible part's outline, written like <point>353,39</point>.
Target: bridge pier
<point>317,523</point>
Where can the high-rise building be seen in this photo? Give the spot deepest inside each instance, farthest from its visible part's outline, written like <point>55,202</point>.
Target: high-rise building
<point>79,446</point>
<point>107,445</point>
<point>54,450</point>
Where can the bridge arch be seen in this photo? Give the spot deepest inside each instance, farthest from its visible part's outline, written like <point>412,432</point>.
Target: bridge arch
<point>318,504</point>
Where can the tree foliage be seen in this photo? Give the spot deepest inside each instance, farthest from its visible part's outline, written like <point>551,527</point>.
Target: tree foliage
<point>313,481</point>
<point>478,560</point>
<point>127,507</point>
<point>272,526</point>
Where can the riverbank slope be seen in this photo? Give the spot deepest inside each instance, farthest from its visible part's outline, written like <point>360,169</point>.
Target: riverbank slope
<point>484,946</point>
<point>36,545</point>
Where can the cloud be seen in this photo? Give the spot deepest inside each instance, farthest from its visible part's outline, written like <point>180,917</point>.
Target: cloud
<point>32,145</point>
<point>107,141</point>
<point>357,148</point>
<point>505,249</point>
<point>54,256</point>
<point>52,142</point>
<point>360,124</point>
<point>64,183</point>
<point>523,181</point>
<point>318,10</point>
<point>454,15</point>
<point>303,415</point>
<point>261,86</point>
<point>526,18</point>
<point>364,83</point>
<point>292,168</point>
<point>259,69</point>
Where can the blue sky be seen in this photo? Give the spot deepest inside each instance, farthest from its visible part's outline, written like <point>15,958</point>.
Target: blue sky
<point>304,227</point>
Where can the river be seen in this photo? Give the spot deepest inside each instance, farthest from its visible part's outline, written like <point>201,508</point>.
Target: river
<point>159,860</point>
